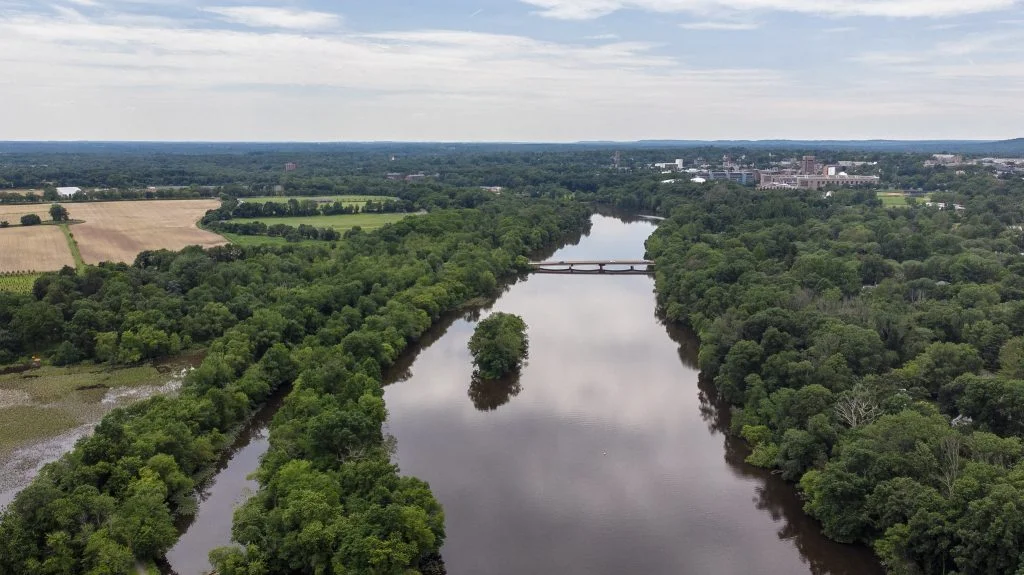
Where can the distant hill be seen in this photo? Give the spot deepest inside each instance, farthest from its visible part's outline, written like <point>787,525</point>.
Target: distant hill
<point>1000,147</point>
<point>1013,147</point>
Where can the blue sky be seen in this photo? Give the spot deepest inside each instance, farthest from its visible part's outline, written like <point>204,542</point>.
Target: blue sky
<point>510,70</point>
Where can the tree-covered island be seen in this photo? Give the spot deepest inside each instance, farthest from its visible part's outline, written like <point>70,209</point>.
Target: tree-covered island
<point>499,345</point>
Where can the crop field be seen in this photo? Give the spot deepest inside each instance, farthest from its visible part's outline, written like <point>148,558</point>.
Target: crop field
<point>347,200</point>
<point>110,231</point>
<point>23,192</point>
<point>18,283</point>
<point>339,222</point>
<point>118,231</point>
<point>33,249</point>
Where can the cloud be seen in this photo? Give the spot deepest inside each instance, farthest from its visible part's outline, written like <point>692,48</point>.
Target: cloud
<point>85,2</point>
<point>267,17</point>
<point>156,78</point>
<point>720,26</point>
<point>887,58</point>
<point>589,9</point>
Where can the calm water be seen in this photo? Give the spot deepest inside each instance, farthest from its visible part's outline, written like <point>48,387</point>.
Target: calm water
<point>606,457</point>
<point>211,527</point>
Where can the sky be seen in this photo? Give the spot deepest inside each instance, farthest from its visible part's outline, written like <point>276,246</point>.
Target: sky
<point>510,70</point>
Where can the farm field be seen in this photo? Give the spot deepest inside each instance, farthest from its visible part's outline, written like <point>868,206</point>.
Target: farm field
<point>110,231</point>
<point>339,222</point>
<point>33,249</point>
<point>118,231</point>
<point>19,283</point>
<point>21,191</point>
<point>347,200</point>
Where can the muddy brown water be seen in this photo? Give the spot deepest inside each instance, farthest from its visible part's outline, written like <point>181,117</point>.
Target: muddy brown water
<point>607,455</point>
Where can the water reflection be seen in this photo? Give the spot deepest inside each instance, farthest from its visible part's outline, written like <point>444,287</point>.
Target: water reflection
<point>231,486</point>
<point>490,394</point>
<point>612,458</point>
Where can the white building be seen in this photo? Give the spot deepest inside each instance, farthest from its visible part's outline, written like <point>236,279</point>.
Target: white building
<point>68,192</point>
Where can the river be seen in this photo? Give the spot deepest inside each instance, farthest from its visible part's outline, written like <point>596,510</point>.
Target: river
<point>607,456</point>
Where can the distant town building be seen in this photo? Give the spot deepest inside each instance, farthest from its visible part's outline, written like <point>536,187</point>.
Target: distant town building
<point>415,177</point>
<point>395,176</point>
<point>492,189</point>
<point>770,181</point>
<point>945,160</point>
<point>744,177</point>
<point>808,165</point>
<point>68,191</point>
<point>291,167</point>
<point>676,165</point>
<point>944,206</point>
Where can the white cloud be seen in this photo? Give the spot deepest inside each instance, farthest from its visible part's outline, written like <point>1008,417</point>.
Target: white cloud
<point>587,9</point>
<point>85,2</point>
<point>267,17</point>
<point>720,26</point>
<point>887,58</point>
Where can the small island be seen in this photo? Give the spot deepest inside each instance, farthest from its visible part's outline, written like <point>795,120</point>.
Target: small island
<point>499,345</point>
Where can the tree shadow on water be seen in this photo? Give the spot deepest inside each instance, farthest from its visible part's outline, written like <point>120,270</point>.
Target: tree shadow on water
<point>490,394</point>
<point>773,495</point>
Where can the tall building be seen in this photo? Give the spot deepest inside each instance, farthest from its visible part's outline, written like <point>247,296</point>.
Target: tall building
<point>807,166</point>
<point>290,167</point>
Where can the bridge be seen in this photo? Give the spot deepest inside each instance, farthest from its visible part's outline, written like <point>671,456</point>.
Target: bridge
<point>594,267</point>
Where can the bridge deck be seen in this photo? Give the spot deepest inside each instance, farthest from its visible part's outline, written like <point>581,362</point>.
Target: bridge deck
<point>594,263</point>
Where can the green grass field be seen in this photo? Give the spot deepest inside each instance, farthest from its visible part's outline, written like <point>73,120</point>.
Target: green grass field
<point>241,240</point>
<point>340,222</point>
<point>73,246</point>
<point>347,200</point>
<point>898,200</point>
<point>21,283</point>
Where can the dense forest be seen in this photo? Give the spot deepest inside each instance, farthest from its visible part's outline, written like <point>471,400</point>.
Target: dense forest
<point>874,355</point>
